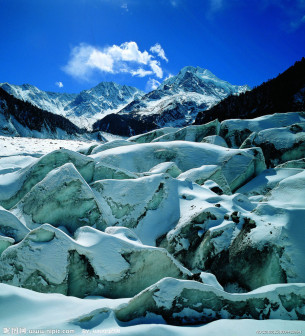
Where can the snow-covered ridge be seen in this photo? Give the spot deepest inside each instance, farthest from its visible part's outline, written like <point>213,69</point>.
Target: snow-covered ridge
<point>196,79</point>
<point>177,101</point>
<point>83,108</point>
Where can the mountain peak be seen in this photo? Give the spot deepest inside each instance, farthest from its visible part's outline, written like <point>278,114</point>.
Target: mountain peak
<point>200,80</point>
<point>196,70</point>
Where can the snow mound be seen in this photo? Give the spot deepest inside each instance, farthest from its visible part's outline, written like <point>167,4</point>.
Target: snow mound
<point>11,226</point>
<point>238,165</point>
<point>13,163</point>
<point>265,245</point>
<point>203,234</point>
<point>189,302</point>
<point>209,172</point>
<point>62,198</point>
<point>150,136</point>
<point>279,144</point>
<point>293,164</point>
<point>104,171</point>
<point>93,263</point>
<point>149,205</point>
<point>109,145</point>
<point>15,185</point>
<point>167,168</point>
<point>193,133</point>
<point>267,181</point>
<point>235,131</point>
<point>87,149</point>
<point>56,311</point>
<point>215,140</point>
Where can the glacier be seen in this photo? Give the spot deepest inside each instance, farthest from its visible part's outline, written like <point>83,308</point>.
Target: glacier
<point>194,230</point>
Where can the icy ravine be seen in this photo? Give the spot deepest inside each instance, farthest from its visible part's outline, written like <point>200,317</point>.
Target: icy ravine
<point>185,228</point>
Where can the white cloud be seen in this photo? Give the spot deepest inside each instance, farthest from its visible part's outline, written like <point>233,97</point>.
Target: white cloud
<point>157,49</point>
<point>124,58</point>
<point>59,84</point>
<point>78,65</point>
<point>101,61</point>
<point>152,84</point>
<point>141,72</point>
<point>155,66</point>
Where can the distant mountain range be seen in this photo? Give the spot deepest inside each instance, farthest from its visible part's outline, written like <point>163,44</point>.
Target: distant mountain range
<point>20,118</point>
<point>82,109</point>
<point>285,93</point>
<point>194,95</point>
<point>176,102</point>
<point>125,110</point>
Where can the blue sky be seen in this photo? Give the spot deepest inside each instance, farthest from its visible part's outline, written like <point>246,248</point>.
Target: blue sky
<point>71,45</point>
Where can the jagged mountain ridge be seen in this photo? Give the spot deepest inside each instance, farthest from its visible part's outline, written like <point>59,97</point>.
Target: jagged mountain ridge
<point>199,80</point>
<point>83,108</point>
<point>20,118</point>
<point>284,93</point>
<point>50,101</point>
<point>175,102</point>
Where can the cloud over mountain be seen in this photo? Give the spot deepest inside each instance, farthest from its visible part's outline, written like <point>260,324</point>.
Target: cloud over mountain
<point>86,59</point>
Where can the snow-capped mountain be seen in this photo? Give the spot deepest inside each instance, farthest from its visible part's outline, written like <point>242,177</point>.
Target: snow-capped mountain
<point>191,90</point>
<point>284,93</point>
<point>20,118</point>
<point>202,81</point>
<point>49,101</point>
<point>177,101</point>
<point>125,110</point>
<point>84,108</point>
